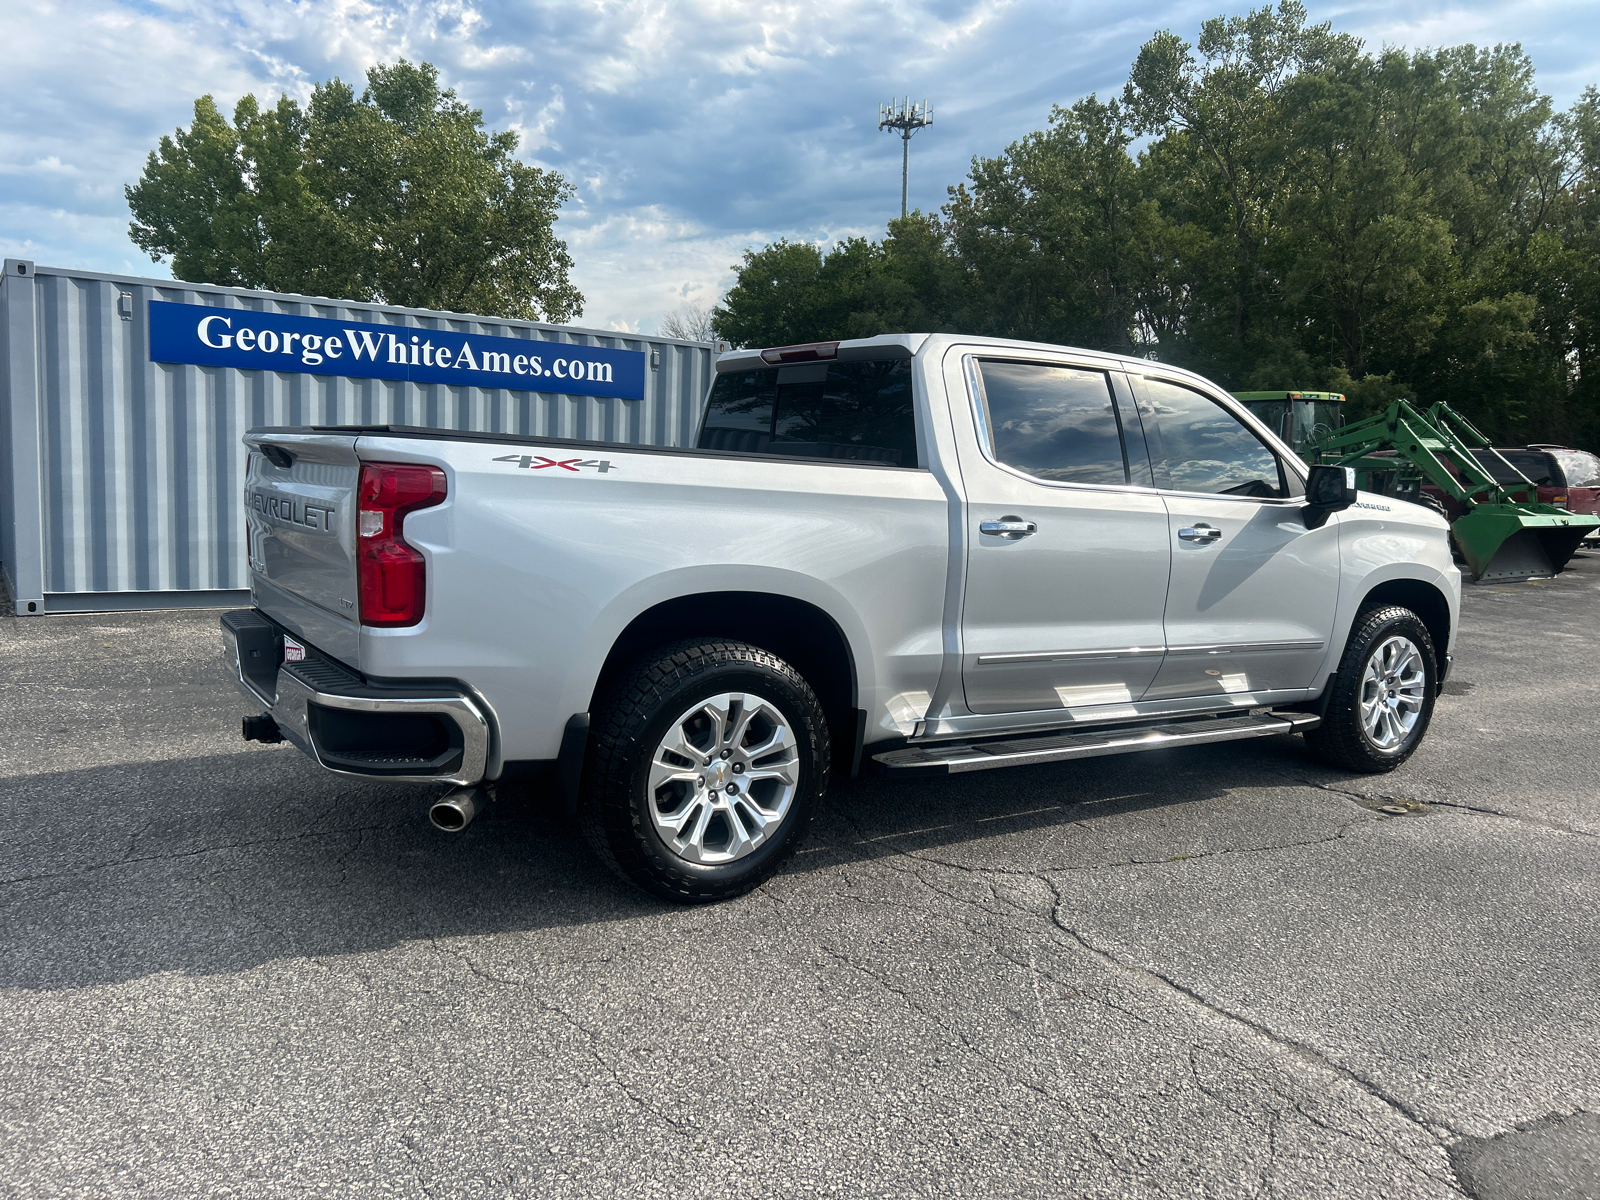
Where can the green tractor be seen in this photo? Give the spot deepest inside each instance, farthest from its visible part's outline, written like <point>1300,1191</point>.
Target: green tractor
<point>1300,418</point>
<point>1400,449</point>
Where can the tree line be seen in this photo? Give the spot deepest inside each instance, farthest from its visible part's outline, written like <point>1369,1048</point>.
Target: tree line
<point>1272,206</point>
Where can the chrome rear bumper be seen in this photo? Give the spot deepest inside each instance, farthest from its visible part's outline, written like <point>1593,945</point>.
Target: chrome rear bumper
<point>292,692</point>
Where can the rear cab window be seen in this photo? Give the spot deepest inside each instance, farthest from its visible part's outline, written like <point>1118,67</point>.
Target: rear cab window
<point>853,411</point>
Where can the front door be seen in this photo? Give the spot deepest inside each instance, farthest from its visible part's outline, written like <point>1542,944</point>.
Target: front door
<point>1067,558</point>
<point>1251,603</point>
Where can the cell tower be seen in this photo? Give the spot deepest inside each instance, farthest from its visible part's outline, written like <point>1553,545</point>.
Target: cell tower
<point>906,118</point>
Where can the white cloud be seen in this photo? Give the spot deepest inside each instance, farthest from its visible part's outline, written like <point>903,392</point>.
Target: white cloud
<point>692,128</point>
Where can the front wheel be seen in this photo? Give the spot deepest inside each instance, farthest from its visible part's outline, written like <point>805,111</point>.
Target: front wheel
<point>1382,696</point>
<point>704,767</point>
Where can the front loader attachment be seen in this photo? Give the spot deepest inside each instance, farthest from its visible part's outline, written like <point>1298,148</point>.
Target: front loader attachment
<point>1505,542</point>
<point>1501,538</point>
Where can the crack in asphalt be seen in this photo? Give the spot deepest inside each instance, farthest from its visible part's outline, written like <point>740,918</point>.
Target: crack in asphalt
<point>1538,822</point>
<point>413,1153</point>
<point>1300,1050</point>
<point>688,1133</point>
<point>1305,1052</point>
<point>178,857</point>
<point>1038,1089</point>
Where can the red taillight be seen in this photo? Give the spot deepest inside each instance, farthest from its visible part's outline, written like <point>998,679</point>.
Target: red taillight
<point>392,575</point>
<point>796,354</point>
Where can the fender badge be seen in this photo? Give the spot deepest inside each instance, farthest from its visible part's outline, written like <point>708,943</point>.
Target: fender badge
<point>538,462</point>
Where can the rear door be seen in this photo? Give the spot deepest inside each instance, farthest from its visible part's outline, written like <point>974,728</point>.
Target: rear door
<point>1251,601</point>
<point>1067,542</point>
<point>300,514</point>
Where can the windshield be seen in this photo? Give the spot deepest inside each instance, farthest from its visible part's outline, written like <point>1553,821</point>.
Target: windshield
<point>1327,418</point>
<point>1581,468</point>
<point>1299,422</point>
<point>1274,414</point>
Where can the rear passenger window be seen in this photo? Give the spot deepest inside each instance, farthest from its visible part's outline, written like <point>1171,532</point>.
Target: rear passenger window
<point>1054,423</point>
<point>855,411</point>
<point>1196,445</point>
<point>1513,466</point>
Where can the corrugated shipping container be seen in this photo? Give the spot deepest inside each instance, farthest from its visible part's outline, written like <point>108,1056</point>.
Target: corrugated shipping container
<point>121,478</point>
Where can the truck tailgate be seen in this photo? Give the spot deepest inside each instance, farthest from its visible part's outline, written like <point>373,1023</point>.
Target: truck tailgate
<point>300,511</point>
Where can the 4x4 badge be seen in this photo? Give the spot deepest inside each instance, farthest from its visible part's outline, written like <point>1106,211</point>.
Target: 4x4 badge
<point>538,462</point>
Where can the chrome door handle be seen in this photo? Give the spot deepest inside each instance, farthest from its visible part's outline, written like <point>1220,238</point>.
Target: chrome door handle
<point>1010,528</point>
<point>1202,533</point>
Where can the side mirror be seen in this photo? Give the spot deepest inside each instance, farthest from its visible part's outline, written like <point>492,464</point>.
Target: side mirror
<point>1329,490</point>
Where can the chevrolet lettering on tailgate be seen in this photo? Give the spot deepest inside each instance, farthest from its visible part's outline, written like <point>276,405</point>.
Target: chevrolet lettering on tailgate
<point>292,511</point>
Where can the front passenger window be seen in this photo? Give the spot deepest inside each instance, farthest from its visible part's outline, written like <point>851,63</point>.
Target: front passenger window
<point>1199,446</point>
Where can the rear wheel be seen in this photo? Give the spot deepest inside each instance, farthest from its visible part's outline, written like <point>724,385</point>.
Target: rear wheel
<point>1382,696</point>
<point>705,766</point>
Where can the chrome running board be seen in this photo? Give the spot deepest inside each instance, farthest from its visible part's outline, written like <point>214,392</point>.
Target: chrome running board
<point>955,758</point>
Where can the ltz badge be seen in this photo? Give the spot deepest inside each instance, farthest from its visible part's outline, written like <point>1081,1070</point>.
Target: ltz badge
<point>538,462</point>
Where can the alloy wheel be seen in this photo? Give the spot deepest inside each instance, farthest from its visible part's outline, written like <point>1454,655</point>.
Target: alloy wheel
<point>1394,688</point>
<point>723,777</point>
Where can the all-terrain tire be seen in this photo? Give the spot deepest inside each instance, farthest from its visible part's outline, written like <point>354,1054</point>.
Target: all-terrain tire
<point>1344,739</point>
<point>640,709</point>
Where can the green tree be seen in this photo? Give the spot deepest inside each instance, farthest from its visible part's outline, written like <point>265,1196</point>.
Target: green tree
<point>776,300</point>
<point>1571,298</point>
<point>1056,233</point>
<point>1358,251</point>
<point>400,195</point>
<point>793,292</point>
<point>1222,160</point>
<point>1304,214</point>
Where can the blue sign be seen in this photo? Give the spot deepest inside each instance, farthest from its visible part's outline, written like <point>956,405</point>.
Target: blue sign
<point>258,341</point>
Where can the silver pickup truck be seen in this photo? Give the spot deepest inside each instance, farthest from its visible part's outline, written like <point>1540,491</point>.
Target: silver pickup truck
<point>930,553</point>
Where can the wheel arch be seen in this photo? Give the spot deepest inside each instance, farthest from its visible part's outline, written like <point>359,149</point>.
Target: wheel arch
<point>1422,598</point>
<point>797,631</point>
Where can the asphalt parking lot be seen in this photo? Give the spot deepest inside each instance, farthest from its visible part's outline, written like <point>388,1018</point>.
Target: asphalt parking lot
<point>1215,972</point>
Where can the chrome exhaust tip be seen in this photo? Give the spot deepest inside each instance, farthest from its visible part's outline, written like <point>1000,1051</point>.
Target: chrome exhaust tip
<point>454,812</point>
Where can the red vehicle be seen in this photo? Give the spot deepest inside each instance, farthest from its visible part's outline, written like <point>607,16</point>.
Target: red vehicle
<point>1570,478</point>
<point>1563,476</point>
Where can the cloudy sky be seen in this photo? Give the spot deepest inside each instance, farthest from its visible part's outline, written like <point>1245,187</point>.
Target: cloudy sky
<point>692,129</point>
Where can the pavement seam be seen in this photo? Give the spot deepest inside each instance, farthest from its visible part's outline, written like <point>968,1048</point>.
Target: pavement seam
<point>1538,822</point>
